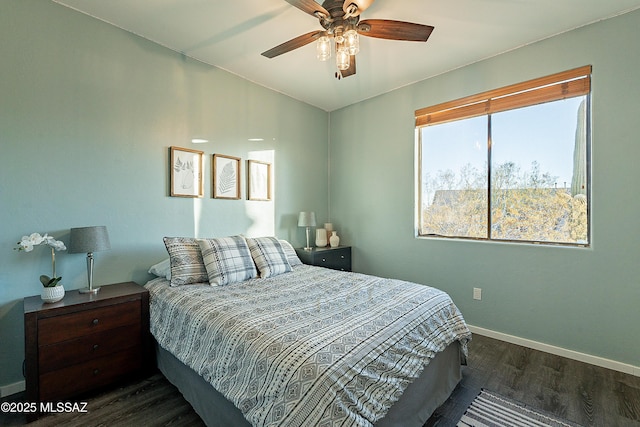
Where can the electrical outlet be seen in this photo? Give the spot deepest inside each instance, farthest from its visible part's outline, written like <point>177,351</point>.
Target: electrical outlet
<point>477,293</point>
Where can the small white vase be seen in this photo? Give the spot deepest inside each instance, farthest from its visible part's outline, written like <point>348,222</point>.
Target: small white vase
<point>52,294</point>
<point>334,240</point>
<point>329,227</point>
<point>321,237</point>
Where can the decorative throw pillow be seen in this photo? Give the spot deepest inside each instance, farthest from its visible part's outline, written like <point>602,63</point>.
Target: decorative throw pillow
<point>161,269</point>
<point>187,265</point>
<point>227,260</point>
<point>269,256</point>
<point>291,254</point>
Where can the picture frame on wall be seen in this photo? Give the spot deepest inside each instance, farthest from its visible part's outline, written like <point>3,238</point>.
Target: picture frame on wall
<point>259,180</point>
<point>186,168</point>
<point>226,177</point>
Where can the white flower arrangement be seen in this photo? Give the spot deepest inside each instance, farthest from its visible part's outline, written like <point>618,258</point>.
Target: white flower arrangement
<point>28,242</point>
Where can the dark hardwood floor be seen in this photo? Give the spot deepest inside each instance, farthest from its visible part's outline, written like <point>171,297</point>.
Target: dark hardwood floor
<point>576,391</point>
<point>581,393</point>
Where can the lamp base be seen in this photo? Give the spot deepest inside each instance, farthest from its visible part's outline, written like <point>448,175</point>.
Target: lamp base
<point>89,291</point>
<point>308,248</point>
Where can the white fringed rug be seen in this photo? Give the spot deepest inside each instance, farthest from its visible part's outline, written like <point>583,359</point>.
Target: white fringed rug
<point>489,409</point>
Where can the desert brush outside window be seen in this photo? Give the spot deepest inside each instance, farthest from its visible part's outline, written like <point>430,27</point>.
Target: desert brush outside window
<point>511,164</point>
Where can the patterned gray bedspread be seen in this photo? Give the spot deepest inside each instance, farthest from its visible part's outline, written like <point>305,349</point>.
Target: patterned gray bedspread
<point>312,347</point>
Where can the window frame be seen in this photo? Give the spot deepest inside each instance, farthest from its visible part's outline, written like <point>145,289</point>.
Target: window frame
<point>556,87</point>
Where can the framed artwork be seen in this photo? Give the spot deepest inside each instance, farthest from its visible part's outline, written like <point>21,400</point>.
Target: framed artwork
<point>226,177</point>
<point>259,180</point>
<point>186,172</point>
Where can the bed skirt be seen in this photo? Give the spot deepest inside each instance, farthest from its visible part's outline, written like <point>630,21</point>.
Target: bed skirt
<point>421,398</point>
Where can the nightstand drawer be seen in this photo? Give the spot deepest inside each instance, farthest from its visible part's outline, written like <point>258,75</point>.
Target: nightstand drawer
<point>70,326</point>
<point>71,352</point>
<point>340,260</point>
<point>75,379</point>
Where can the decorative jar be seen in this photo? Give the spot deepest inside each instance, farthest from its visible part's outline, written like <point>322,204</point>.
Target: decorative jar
<point>334,240</point>
<point>321,237</point>
<point>329,227</point>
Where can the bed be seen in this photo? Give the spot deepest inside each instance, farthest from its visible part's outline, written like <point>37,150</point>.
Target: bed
<point>288,344</point>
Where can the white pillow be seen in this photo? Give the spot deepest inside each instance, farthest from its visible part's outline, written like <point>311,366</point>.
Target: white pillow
<point>161,269</point>
<point>269,256</point>
<point>227,260</point>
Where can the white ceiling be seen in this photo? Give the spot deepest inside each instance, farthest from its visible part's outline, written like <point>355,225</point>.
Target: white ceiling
<point>232,34</point>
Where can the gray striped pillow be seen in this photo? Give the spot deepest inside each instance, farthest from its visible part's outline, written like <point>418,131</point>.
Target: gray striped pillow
<point>227,260</point>
<point>187,265</point>
<point>269,256</point>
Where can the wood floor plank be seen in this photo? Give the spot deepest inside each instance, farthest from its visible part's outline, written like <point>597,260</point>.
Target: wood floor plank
<point>576,391</point>
<point>628,398</point>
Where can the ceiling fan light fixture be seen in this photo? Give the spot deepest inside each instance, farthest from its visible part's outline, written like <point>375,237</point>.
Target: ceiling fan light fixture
<point>345,28</point>
<point>342,57</point>
<point>323,48</point>
<point>337,35</point>
<point>352,41</point>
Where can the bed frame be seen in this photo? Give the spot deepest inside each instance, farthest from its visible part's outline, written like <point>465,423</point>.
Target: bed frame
<point>421,398</point>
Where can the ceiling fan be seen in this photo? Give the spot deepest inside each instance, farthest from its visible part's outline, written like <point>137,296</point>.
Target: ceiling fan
<point>341,21</point>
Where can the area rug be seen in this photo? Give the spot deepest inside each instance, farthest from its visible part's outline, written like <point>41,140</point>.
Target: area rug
<point>490,409</point>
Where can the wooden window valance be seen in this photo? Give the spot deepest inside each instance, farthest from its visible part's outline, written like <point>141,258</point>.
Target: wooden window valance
<point>566,84</point>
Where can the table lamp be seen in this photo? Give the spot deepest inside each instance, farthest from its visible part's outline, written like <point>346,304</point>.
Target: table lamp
<point>308,220</point>
<point>89,240</point>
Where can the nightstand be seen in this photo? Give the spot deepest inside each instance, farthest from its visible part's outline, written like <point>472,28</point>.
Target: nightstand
<point>338,258</point>
<point>85,341</point>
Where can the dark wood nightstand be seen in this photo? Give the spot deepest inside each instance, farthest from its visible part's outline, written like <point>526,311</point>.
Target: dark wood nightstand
<point>85,341</point>
<point>338,258</point>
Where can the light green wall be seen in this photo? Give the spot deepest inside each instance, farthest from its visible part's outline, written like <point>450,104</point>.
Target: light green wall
<point>87,113</point>
<point>579,299</point>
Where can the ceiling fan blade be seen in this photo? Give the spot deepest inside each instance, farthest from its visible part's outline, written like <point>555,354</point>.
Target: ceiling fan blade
<point>394,30</point>
<point>352,67</point>
<point>309,6</point>
<point>358,5</point>
<point>292,44</point>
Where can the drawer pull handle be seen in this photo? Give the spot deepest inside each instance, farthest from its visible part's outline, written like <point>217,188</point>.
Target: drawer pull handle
<point>324,260</point>
<point>342,256</point>
<point>95,322</point>
<point>95,347</point>
<point>96,371</point>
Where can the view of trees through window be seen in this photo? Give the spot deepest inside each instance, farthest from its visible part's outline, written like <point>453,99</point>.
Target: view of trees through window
<point>515,175</point>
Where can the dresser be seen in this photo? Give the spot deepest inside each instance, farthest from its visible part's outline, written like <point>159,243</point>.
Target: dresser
<point>338,258</point>
<point>85,341</point>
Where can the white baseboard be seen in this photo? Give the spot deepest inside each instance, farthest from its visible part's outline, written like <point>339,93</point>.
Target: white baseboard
<point>9,389</point>
<point>559,351</point>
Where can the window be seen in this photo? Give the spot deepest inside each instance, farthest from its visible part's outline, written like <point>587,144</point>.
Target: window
<point>511,164</point>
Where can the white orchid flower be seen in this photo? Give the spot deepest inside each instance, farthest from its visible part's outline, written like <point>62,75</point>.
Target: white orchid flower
<point>56,244</point>
<point>25,245</point>
<point>28,242</point>
<point>36,238</point>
